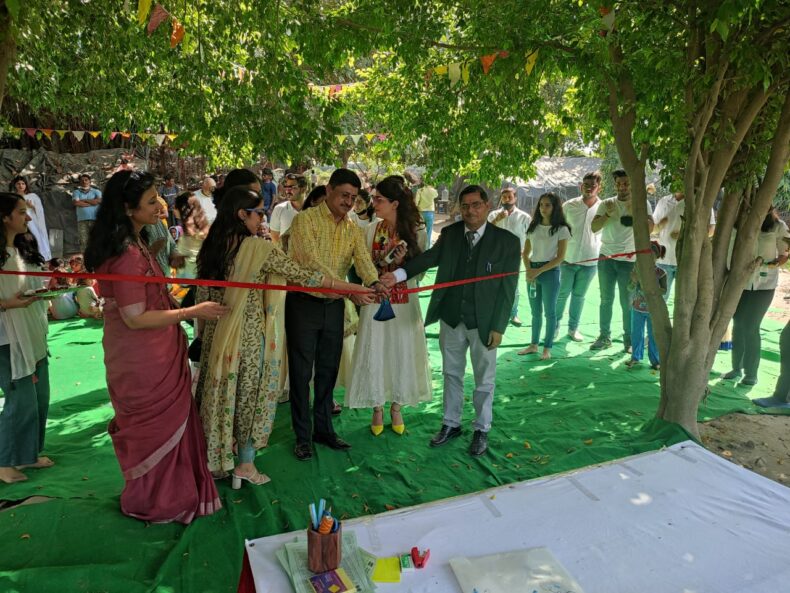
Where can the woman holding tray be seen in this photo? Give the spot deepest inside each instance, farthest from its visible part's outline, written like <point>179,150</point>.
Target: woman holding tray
<point>24,370</point>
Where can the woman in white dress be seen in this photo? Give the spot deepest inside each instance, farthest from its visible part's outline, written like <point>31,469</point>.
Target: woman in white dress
<point>391,357</point>
<point>35,210</point>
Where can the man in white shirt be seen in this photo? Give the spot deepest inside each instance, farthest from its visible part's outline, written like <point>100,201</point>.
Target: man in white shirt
<point>616,219</point>
<point>205,196</point>
<point>510,218</point>
<point>577,271</point>
<point>669,218</point>
<point>293,187</point>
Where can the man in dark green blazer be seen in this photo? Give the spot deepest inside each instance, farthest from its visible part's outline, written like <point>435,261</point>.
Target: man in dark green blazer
<point>472,316</point>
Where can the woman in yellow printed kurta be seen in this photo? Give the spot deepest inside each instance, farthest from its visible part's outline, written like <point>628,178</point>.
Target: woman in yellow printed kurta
<point>241,357</point>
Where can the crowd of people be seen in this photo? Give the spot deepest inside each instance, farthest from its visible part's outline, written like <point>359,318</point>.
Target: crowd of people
<point>350,255</point>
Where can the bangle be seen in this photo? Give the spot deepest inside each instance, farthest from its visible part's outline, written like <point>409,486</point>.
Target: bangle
<point>331,286</point>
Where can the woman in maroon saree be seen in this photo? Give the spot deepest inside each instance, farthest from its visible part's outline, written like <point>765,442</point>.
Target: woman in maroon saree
<point>156,432</point>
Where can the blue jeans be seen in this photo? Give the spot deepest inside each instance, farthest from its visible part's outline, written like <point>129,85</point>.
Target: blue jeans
<point>427,216</point>
<point>613,272</point>
<point>574,281</point>
<point>638,321</point>
<point>671,271</point>
<point>543,299</point>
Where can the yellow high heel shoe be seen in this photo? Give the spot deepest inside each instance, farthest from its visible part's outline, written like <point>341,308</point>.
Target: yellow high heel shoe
<point>397,428</point>
<point>377,429</point>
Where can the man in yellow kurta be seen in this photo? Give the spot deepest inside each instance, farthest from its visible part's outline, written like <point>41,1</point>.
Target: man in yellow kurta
<point>326,240</point>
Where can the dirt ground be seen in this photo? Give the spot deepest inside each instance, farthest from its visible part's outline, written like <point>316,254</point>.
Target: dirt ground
<point>760,443</point>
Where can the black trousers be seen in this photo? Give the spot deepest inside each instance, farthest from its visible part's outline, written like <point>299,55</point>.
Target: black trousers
<point>746,322</point>
<point>314,330</point>
<point>782,390</point>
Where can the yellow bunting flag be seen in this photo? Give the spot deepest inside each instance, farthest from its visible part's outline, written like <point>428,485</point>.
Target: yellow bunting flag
<point>465,73</point>
<point>531,59</point>
<point>78,134</point>
<point>440,70</point>
<point>171,137</point>
<point>95,134</point>
<point>14,131</point>
<point>158,16</point>
<point>144,136</point>
<point>454,72</point>
<point>178,33</point>
<point>369,137</point>
<point>341,138</point>
<point>143,8</point>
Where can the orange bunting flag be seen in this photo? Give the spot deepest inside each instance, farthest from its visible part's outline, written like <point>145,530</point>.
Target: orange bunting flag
<point>178,33</point>
<point>487,62</point>
<point>531,59</point>
<point>143,8</point>
<point>47,132</point>
<point>126,135</point>
<point>79,135</point>
<point>158,16</point>
<point>504,54</point>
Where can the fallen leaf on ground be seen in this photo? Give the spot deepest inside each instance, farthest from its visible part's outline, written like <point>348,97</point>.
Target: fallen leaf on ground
<point>389,507</point>
<point>527,445</point>
<point>726,453</point>
<point>24,536</point>
<point>509,456</point>
<point>588,442</point>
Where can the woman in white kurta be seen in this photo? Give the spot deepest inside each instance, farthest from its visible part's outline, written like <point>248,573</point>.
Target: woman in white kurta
<point>391,357</point>
<point>35,210</point>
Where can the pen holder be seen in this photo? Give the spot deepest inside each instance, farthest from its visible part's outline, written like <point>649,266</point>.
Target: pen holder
<point>323,551</point>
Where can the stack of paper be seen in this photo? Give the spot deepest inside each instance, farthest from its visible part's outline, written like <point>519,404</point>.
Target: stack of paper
<point>357,563</point>
<point>535,570</point>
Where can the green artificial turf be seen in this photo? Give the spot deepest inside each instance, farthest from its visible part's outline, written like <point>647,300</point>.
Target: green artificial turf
<point>579,408</point>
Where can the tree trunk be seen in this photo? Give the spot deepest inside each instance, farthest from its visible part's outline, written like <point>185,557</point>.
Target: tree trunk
<point>7,48</point>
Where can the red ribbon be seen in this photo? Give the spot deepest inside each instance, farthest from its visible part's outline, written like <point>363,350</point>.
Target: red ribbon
<point>256,286</point>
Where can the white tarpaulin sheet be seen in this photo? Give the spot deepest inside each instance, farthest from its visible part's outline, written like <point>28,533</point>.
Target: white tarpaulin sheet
<point>679,520</point>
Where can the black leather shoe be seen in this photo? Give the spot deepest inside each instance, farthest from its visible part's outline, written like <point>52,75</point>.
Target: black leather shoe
<point>331,440</point>
<point>303,451</point>
<point>445,434</point>
<point>479,443</point>
<point>337,409</point>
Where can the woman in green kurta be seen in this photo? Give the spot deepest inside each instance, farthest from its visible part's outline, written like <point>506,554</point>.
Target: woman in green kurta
<point>241,360</point>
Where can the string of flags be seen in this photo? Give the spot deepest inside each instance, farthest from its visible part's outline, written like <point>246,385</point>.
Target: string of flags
<point>159,14</point>
<point>461,71</point>
<point>332,90</point>
<point>355,138</point>
<point>39,133</point>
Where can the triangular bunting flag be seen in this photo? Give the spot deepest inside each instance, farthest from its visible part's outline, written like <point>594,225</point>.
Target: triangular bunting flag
<point>159,139</point>
<point>158,16</point>
<point>126,135</point>
<point>39,135</point>
<point>14,131</point>
<point>47,133</point>
<point>143,8</point>
<point>355,138</point>
<point>531,59</point>
<point>171,137</point>
<point>369,137</point>
<point>454,72</point>
<point>144,136</point>
<point>341,138</point>
<point>382,136</point>
<point>607,18</point>
<point>95,133</point>
<point>31,132</point>
<point>440,70</point>
<point>61,133</point>
<point>487,61</point>
<point>465,73</point>
<point>178,33</point>
<point>504,54</point>
<point>79,135</point>
<point>113,135</point>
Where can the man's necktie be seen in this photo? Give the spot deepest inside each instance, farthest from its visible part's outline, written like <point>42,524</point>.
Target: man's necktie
<point>470,238</point>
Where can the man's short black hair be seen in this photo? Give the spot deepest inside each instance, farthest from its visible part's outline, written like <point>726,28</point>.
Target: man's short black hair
<point>267,171</point>
<point>168,176</point>
<point>83,175</point>
<point>300,179</point>
<point>473,189</point>
<point>619,173</point>
<point>343,176</point>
